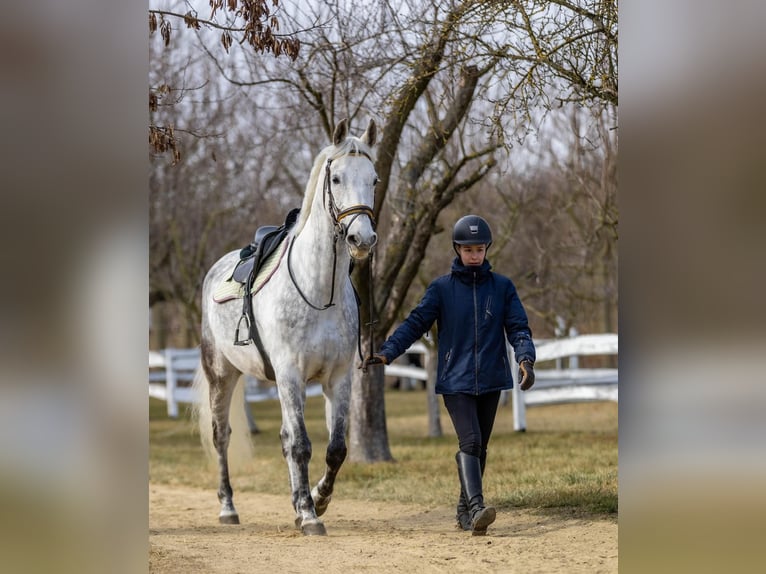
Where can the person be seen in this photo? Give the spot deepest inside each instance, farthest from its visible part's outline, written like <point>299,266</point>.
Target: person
<point>475,310</point>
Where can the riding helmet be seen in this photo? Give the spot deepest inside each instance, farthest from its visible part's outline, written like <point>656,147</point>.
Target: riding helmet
<point>471,230</point>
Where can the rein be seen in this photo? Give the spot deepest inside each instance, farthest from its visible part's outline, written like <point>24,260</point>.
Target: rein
<point>371,293</point>
<point>339,231</point>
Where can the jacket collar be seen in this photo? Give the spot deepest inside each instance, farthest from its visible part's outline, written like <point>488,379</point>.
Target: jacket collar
<point>465,273</point>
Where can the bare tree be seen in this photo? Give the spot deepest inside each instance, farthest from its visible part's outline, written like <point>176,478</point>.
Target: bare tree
<point>254,23</point>
<point>231,180</point>
<point>455,87</point>
<point>432,177</point>
<point>561,231</point>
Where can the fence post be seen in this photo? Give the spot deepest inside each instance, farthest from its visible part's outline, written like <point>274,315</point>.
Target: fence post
<point>170,383</point>
<point>574,360</point>
<point>559,332</point>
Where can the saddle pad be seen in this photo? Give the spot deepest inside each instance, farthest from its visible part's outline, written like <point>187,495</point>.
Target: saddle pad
<point>230,289</point>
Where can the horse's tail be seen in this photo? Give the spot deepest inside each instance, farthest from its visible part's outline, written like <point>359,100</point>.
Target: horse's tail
<point>201,412</point>
<point>240,448</point>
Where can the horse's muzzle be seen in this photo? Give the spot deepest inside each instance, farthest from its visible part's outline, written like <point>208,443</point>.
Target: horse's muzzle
<point>359,246</point>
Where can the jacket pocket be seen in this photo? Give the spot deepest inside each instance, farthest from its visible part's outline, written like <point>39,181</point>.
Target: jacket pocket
<point>488,309</point>
<point>447,358</point>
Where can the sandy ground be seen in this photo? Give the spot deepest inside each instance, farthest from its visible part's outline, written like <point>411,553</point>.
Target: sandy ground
<point>185,537</point>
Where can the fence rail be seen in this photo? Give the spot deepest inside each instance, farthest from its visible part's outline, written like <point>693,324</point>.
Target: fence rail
<point>170,373</point>
<point>172,370</point>
<point>556,385</point>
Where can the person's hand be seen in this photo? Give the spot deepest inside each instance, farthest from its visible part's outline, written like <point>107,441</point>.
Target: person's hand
<point>526,374</point>
<point>374,359</point>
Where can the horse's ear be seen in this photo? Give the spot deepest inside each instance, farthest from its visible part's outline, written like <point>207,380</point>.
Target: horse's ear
<point>341,130</point>
<point>371,134</point>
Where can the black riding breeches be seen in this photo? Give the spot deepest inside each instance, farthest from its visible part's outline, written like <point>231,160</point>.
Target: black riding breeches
<point>473,417</point>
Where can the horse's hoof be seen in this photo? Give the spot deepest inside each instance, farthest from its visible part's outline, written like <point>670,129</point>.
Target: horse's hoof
<point>228,518</point>
<point>320,502</point>
<point>322,505</point>
<point>314,528</point>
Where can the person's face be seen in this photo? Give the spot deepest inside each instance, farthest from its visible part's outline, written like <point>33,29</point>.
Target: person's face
<point>472,254</point>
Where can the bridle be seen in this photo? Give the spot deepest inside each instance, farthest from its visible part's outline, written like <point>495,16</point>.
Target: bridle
<point>338,215</point>
<point>339,232</point>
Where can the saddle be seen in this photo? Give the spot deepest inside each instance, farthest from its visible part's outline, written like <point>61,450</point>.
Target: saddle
<point>251,258</point>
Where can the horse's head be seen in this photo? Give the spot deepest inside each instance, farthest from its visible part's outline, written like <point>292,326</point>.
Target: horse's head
<point>349,188</point>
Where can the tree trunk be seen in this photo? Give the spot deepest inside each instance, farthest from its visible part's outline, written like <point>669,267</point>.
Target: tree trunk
<point>368,435</point>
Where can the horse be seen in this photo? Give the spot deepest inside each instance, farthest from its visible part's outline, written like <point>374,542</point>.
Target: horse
<point>307,319</point>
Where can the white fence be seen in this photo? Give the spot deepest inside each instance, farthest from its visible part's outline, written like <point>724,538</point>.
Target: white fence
<point>176,367</point>
<point>553,386</point>
<point>171,372</point>
<point>170,375</point>
<point>411,371</point>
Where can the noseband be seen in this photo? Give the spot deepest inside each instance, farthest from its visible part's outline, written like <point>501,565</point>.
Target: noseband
<point>340,230</point>
<point>338,215</point>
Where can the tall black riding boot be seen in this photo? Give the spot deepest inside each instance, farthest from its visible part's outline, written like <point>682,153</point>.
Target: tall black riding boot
<point>463,516</point>
<point>469,469</point>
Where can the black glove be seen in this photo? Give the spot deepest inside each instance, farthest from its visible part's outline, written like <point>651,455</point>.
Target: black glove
<point>526,374</point>
<point>374,359</point>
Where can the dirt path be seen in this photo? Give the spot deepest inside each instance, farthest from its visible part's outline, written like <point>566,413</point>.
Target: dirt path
<point>185,537</point>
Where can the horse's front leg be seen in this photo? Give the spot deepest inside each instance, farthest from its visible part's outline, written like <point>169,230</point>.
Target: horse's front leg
<point>336,414</point>
<point>296,448</point>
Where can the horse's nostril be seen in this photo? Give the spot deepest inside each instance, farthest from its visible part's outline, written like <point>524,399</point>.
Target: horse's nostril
<point>359,241</point>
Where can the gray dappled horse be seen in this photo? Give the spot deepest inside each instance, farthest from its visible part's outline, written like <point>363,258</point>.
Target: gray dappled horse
<point>307,318</point>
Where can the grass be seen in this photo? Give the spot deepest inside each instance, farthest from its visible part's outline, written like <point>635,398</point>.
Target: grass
<point>565,462</point>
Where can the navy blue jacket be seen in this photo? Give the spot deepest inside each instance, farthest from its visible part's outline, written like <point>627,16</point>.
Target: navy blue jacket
<point>475,310</point>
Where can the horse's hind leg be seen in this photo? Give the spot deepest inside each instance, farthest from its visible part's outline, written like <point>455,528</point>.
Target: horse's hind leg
<point>222,380</point>
<point>336,414</point>
<point>296,448</point>
<point>220,403</point>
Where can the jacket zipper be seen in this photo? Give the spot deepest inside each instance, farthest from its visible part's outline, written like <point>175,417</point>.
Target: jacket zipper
<point>476,336</point>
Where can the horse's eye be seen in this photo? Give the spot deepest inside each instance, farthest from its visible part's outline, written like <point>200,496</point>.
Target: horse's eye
<point>377,181</point>
<point>335,179</point>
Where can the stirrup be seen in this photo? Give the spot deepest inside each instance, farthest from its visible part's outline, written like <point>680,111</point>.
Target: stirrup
<point>237,340</point>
